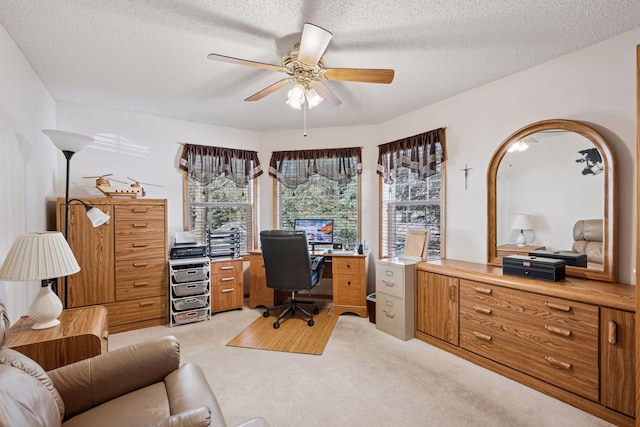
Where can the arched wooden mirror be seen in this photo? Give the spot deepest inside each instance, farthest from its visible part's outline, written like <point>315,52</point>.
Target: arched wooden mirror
<point>558,173</point>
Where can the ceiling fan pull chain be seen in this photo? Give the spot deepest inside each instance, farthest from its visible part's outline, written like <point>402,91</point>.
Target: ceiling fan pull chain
<point>305,119</point>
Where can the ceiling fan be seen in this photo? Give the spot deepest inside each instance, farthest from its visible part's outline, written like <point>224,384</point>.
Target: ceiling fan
<point>306,71</point>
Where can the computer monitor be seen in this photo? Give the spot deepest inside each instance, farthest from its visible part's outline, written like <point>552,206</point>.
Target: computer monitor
<point>319,231</point>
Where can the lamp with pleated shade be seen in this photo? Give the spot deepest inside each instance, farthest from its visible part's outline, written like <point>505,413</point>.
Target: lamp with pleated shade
<point>40,256</point>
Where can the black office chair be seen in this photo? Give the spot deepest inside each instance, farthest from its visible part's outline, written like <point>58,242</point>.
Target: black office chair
<point>289,267</point>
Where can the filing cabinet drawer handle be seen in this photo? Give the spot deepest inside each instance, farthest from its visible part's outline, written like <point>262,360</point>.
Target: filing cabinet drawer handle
<point>140,245</point>
<point>389,284</point>
<point>558,331</point>
<point>482,336</point>
<point>140,210</point>
<point>226,291</point>
<point>140,264</point>
<point>228,267</point>
<point>482,310</point>
<point>612,335</point>
<point>145,303</point>
<point>388,313</point>
<point>140,284</point>
<point>560,307</point>
<point>558,364</point>
<point>139,225</point>
<point>482,290</point>
<point>226,279</point>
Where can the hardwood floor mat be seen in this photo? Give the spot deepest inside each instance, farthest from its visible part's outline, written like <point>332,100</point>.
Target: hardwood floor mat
<point>294,335</point>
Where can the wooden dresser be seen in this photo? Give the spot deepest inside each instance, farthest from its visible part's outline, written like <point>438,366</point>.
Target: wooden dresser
<point>227,285</point>
<point>573,339</point>
<point>123,263</point>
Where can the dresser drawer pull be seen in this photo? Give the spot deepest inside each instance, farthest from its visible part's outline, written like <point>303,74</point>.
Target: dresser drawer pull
<point>612,335</point>
<point>140,284</point>
<point>226,291</point>
<point>558,364</point>
<point>482,290</point>
<point>227,267</point>
<point>140,210</point>
<point>482,310</point>
<point>139,225</point>
<point>140,245</point>
<point>558,331</point>
<point>482,336</point>
<point>140,264</point>
<point>560,307</point>
<point>389,284</point>
<point>227,279</point>
<point>388,313</point>
<point>145,303</point>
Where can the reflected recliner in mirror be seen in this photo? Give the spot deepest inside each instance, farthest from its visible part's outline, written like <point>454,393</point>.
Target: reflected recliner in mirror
<point>564,177</point>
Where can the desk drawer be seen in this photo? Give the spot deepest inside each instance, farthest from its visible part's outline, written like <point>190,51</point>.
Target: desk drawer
<point>390,280</point>
<point>574,376</point>
<point>226,267</point>
<point>140,212</point>
<point>564,313</point>
<point>348,290</point>
<point>348,265</point>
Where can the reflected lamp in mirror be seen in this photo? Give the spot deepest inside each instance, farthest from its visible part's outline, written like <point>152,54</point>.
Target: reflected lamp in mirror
<point>40,256</point>
<point>522,222</point>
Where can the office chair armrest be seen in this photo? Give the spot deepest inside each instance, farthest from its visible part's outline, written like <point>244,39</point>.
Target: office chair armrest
<point>316,262</point>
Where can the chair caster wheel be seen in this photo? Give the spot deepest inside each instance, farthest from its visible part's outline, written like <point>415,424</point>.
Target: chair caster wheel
<point>316,310</point>
<point>310,322</point>
<point>266,314</point>
<point>276,325</point>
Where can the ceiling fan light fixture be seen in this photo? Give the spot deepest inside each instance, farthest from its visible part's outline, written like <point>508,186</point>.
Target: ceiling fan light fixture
<point>313,98</point>
<point>294,104</point>
<point>296,94</point>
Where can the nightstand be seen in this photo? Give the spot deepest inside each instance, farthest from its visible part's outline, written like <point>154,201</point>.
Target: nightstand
<point>504,250</point>
<point>81,334</point>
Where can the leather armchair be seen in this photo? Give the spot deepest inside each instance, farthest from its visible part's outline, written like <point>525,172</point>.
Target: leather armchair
<point>588,235</point>
<point>139,385</point>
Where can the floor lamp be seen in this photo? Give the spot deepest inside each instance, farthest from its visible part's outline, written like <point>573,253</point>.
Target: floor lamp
<point>70,143</point>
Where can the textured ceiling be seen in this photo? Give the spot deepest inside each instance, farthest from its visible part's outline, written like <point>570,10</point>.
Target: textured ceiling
<point>150,56</point>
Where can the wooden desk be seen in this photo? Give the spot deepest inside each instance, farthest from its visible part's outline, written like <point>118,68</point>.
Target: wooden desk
<point>348,273</point>
<point>82,333</point>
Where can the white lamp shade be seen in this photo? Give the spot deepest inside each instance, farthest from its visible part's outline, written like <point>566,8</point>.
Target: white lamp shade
<point>313,98</point>
<point>97,217</point>
<point>68,141</point>
<point>522,222</point>
<point>39,256</point>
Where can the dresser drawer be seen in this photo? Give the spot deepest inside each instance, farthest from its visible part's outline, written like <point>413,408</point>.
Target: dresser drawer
<point>564,313</point>
<point>348,265</point>
<point>574,376</point>
<point>143,287</point>
<point>129,270</point>
<point>140,249</point>
<point>140,212</point>
<point>390,280</point>
<point>142,229</point>
<point>121,313</point>
<point>348,290</point>
<point>569,342</point>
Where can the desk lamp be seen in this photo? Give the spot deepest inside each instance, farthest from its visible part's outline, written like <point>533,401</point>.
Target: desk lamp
<point>522,222</point>
<point>41,256</point>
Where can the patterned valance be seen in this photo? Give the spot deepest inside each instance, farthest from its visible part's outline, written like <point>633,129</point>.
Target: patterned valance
<point>205,163</point>
<point>293,168</point>
<point>421,153</point>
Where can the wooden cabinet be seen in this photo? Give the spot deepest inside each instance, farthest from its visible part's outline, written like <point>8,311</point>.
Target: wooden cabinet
<point>349,285</point>
<point>227,285</point>
<point>437,301</point>
<point>617,347</point>
<point>259,294</point>
<point>573,340</point>
<point>123,263</point>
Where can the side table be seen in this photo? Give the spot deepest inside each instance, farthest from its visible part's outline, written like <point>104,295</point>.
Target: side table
<point>81,334</point>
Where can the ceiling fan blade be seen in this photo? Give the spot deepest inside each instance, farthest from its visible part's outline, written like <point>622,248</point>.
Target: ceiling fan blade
<point>269,89</point>
<point>329,98</point>
<point>366,75</point>
<point>313,44</point>
<point>232,60</point>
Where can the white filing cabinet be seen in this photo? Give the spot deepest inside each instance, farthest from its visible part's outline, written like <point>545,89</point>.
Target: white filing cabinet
<point>395,288</point>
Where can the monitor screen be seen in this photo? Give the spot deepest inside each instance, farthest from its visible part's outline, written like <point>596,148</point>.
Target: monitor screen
<point>319,231</point>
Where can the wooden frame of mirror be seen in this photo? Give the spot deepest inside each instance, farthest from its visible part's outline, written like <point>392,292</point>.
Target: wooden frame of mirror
<point>610,267</point>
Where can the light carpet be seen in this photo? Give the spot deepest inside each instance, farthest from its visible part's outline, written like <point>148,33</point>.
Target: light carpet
<point>294,334</point>
<point>364,378</point>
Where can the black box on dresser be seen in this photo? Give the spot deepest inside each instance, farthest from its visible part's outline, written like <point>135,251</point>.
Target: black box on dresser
<point>534,267</point>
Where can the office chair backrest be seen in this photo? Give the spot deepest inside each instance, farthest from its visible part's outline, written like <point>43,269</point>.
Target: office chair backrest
<point>287,261</point>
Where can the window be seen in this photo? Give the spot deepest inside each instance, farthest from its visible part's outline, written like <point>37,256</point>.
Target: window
<point>220,191</point>
<point>411,191</point>
<point>319,184</point>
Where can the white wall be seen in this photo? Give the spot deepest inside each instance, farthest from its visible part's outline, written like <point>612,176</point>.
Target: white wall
<point>27,163</point>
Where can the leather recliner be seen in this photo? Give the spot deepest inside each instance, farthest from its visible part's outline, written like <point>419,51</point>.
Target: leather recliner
<point>588,235</point>
<point>139,385</point>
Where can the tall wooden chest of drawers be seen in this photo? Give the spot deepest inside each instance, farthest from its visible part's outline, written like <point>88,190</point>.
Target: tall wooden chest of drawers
<point>123,263</point>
